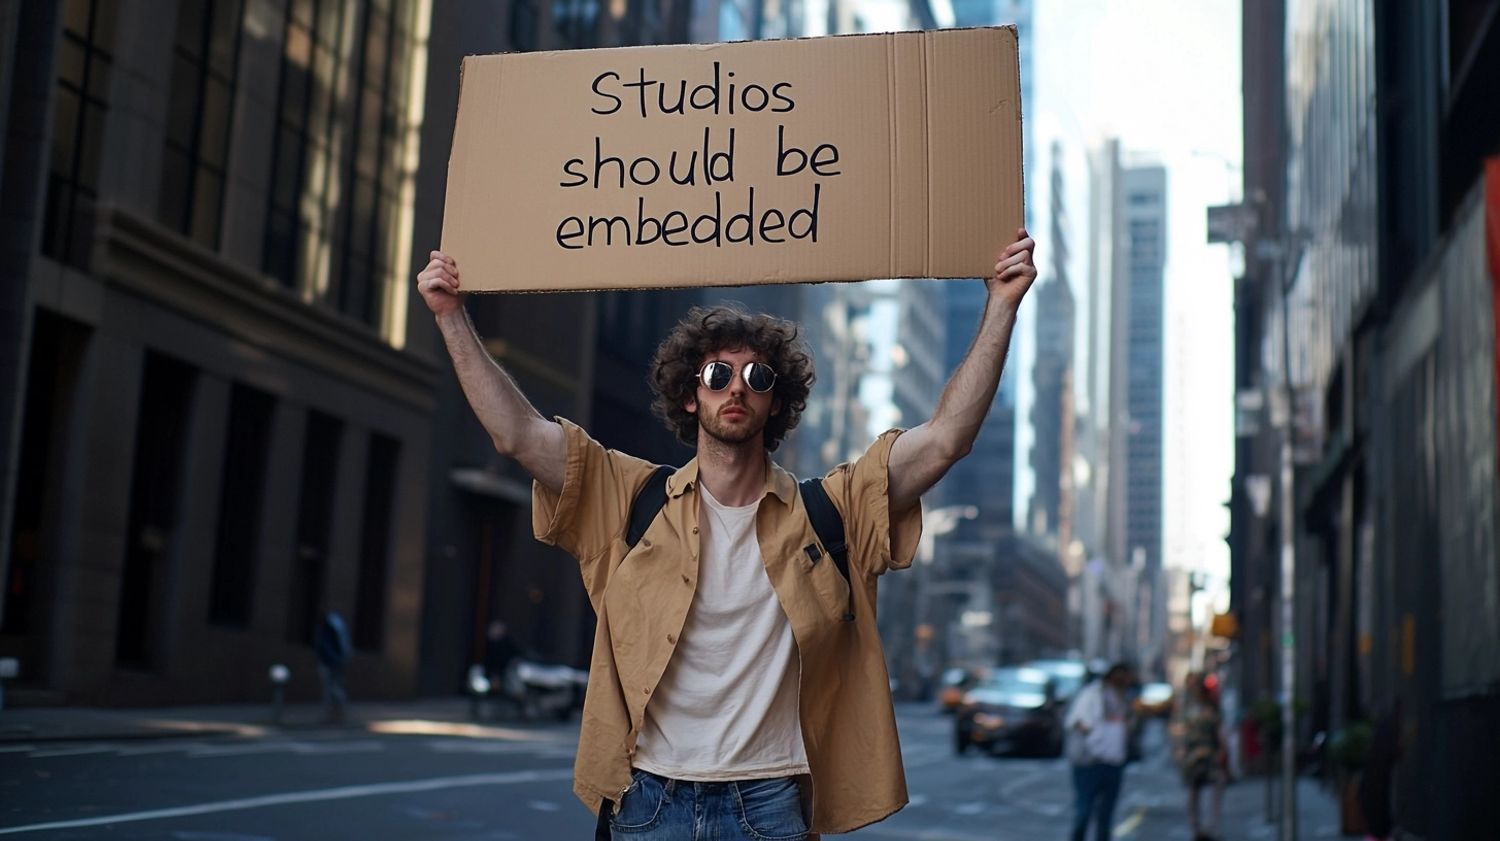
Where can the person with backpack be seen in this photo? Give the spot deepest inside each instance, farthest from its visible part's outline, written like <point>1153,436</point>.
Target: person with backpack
<point>738,687</point>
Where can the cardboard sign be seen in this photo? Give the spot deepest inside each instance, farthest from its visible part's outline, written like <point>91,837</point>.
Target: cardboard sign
<point>815,159</point>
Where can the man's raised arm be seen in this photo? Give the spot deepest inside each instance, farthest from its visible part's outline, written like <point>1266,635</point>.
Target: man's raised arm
<point>922,455</point>
<point>515,426</point>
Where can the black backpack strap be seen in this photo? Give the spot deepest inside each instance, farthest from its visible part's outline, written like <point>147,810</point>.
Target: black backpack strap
<point>648,502</point>
<point>830,529</point>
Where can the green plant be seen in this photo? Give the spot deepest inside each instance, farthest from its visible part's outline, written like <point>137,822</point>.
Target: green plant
<point>1266,713</point>
<point>1350,745</point>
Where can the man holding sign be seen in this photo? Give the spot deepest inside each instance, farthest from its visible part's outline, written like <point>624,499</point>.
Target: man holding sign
<point>738,687</point>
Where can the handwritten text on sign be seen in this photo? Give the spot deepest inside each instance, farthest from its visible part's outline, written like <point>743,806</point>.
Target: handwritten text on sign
<point>708,164</point>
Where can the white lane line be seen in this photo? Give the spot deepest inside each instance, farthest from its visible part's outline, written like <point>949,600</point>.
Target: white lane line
<point>1131,823</point>
<point>293,797</point>
<point>305,748</point>
<point>150,749</point>
<point>81,751</point>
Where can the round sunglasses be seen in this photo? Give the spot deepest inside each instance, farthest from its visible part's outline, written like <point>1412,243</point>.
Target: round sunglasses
<point>759,376</point>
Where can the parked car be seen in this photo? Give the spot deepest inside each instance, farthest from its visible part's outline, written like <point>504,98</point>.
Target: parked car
<point>956,682</point>
<point>1014,709</point>
<point>1068,675</point>
<point>1155,700</point>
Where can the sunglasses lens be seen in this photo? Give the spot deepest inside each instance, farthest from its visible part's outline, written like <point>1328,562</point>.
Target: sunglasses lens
<point>759,376</point>
<point>716,375</point>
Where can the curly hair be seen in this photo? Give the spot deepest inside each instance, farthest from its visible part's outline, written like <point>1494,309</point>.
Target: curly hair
<point>706,330</point>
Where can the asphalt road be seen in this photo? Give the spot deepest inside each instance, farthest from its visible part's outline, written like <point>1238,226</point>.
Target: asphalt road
<point>442,781</point>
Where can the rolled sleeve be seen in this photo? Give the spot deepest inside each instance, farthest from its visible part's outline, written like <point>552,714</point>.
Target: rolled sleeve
<point>861,491</point>
<point>598,485</point>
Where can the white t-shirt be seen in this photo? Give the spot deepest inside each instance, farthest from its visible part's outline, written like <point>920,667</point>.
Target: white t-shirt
<point>726,707</point>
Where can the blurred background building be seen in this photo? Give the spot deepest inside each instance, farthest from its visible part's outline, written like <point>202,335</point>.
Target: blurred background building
<point>1369,129</point>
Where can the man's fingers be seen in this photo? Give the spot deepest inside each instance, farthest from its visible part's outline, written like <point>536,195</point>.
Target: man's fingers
<point>1019,271</point>
<point>438,284</point>
<point>1022,244</point>
<point>1012,260</point>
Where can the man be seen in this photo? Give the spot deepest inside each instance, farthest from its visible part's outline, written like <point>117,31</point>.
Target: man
<point>1096,726</point>
<point>737,688</point>
<point>331,645</point>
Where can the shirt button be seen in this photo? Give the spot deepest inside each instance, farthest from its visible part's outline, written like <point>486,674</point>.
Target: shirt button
<point>672,638</point>
<point>695,529</point>
<point>646,543</point>
<point>646,690</point>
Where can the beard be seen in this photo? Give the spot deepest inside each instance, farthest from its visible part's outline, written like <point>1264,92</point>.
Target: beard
<point>725,433</point>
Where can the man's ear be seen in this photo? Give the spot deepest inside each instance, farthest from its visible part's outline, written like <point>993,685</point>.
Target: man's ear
<point>691,405</point>
<point>776,406</point>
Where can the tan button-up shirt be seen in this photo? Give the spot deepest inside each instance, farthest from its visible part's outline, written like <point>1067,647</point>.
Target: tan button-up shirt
<point>642,597</point>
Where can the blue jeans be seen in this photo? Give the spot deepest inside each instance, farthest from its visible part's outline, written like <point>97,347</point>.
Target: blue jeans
<point>1097,786</point>
<point>660,809</point>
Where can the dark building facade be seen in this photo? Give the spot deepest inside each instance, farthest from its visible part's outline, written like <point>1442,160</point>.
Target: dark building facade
<point>1370,214</point>
<point>220,427</point>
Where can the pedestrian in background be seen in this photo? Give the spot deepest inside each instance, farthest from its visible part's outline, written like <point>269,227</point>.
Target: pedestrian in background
<point>1097,725</point>
<point>499,652</point>
<point>1198,736</point>
<point>331,645</point>
<point>737,688</point>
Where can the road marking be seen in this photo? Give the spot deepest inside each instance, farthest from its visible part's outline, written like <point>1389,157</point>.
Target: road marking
<point>86,749</point>
<point>214,751</point>
<point>912,834</point>
<point>292,797</point>
<point>17,748</point>
<point>150,749</point>
<point>1132,823</point>
<point>968,808</point>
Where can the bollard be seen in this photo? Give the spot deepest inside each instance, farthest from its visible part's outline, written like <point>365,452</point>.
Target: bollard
<point>279,676</point>
<point>479,686</point>
<point>9,668</point>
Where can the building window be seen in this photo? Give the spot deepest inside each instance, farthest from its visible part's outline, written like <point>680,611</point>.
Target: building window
<point>58,347</point>
<point>243,487</point>
<point>167,388</point>
<point>374,544</point>
<point>306,129</point>
<point>339,174</point>
<point>205,58</point>
<point>577,22</point>
<point>83,73</point>
<point>319,488</point>
<point>370,222</point>
<point>523,25</point>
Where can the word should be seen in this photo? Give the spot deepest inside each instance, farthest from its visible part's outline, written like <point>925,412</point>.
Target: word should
<point>675,228</point>
<point>714,166</point>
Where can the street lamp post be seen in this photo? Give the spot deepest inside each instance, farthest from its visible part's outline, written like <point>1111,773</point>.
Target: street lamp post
<point>1288,566</point>
<point>1237,223</point>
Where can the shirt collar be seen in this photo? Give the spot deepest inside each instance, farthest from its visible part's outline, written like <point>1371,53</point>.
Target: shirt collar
<point>778,481</point>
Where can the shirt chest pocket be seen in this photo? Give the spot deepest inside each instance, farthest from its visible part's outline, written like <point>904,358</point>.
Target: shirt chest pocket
<point>823,580</point>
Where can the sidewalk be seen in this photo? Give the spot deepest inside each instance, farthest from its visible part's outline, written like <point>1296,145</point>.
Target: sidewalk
<point>51,724</point>
<point>1244,816</point>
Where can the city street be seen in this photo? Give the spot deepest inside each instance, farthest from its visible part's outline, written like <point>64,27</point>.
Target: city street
<point>442,780</point>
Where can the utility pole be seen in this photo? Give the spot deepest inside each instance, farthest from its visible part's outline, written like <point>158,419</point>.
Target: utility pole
<point>1288,827</point>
